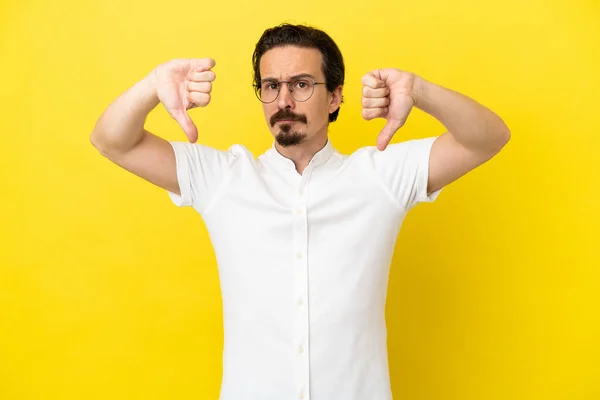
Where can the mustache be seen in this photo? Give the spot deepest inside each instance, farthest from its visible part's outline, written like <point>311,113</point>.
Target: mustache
<point>286,114</point>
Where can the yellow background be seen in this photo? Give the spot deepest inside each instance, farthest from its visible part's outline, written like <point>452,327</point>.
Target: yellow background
<point>108,291</point>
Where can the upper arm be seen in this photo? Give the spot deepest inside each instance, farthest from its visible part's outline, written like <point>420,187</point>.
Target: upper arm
<point>152,159</point>
<point>449,160</point>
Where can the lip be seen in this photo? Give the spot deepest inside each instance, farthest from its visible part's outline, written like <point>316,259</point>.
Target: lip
<point>285,121</point>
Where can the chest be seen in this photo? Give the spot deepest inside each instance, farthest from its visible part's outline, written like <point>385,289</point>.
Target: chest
<point>328,207</point>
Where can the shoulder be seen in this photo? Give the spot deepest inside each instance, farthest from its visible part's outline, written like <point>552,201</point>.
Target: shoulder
<point>412,149</point>
<point>234,151</point>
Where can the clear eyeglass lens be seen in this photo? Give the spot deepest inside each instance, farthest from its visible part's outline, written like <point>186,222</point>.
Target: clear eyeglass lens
<point>301,90</point>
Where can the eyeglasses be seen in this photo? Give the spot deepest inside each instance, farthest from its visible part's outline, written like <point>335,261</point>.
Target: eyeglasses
<point>301,89</point>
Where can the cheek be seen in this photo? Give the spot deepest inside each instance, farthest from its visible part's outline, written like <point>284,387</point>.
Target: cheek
<point>320,112</point>
<point>269,110</point>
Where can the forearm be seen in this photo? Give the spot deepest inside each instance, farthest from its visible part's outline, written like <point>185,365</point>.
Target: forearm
<point>121,125</point>
<point>471,124</point>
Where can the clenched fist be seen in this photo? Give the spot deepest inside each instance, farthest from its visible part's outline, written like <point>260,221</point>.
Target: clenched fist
<point>182,84</point>
<point>390,94</point>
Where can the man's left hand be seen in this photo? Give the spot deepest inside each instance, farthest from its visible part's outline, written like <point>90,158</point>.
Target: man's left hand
<point>388,93</point>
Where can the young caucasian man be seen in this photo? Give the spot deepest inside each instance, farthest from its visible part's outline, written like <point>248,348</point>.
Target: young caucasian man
<point>303,235</point>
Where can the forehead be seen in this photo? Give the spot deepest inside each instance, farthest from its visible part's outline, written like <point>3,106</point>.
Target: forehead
<point>283,62</point>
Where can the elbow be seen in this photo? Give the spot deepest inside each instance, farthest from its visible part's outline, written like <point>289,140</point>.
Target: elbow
<point>95,141</point>
<point>506,135</point>
<point>502,138</point>
<point>98,143</point>
<point>495,145</point>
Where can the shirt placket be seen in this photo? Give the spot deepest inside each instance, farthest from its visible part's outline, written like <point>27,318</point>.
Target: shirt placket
<point>301,280</point>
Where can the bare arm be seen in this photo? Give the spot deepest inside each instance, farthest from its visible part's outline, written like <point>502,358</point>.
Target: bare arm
<point>119,133</point>
<point>120,136</point>
<point>475,133</point>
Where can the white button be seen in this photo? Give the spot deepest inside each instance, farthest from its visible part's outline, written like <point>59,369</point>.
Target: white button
<point>300,302</point>
<point>301,191</point>
<point>301,349</point>
<point>299,255</point>
<point>301,395</point>
<point>299,211</point>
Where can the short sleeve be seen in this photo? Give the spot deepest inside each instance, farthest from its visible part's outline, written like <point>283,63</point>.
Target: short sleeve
<point>201,170</point>
<point>404,170</point>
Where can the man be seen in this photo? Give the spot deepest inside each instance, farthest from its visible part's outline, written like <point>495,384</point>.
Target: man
<point>303,235</point>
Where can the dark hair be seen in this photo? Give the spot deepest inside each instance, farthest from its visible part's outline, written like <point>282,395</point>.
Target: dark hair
<point>307,37</point>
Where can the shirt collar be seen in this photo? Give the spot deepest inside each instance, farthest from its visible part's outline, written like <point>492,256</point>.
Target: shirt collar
<point>319,158</point>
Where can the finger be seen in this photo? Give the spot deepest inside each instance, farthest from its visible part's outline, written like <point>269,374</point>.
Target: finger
<point>186,123</point>
<point>386,134</point>
<point>202,64</point>
<point>372,113</point>
<point>372,80</point>
<point>202,76</point>
<point>204,87</point>
<point>380,92</point>
<point>198,98</point>
<point>375,102</point>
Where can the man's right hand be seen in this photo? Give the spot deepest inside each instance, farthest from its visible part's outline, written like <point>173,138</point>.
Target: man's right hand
<point>182,84</point>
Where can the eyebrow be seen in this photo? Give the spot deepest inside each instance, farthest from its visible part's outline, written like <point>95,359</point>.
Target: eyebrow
<point>291,77</point>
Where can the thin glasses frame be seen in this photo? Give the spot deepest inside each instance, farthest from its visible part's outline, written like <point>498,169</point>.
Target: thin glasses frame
<point>257,87</point>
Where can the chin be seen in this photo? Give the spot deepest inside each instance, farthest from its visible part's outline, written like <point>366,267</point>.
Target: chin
<point>287,138</point>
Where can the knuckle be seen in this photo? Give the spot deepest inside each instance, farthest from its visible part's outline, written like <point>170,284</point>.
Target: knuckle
<point>206,76</point>
<point>208,63</point>
<point>205,99</point>
<point>366,102</point>
<point>202,87</point>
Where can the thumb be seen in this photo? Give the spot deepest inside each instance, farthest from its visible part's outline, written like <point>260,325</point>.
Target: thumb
<point>386,134</point>
<point>186,123</point>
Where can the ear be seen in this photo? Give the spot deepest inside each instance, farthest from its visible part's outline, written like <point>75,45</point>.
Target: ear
<point>336,99</point>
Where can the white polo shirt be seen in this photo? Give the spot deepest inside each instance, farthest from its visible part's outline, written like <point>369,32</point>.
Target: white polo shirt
<point>303,263</point>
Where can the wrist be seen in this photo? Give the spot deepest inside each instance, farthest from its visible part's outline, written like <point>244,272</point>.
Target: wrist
<point>419,91</point>
<point>149,93</point>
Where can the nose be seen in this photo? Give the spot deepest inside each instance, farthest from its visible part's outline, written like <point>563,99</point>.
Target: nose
<point>285,100</point>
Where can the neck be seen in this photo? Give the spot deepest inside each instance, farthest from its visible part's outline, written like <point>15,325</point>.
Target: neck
<point>302,153</point>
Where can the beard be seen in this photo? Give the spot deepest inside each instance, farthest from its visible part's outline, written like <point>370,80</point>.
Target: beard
<point>288,137</point>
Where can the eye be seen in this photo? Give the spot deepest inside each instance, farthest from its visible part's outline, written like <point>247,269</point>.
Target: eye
<point>302,84</point>
<point>269,86</point>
